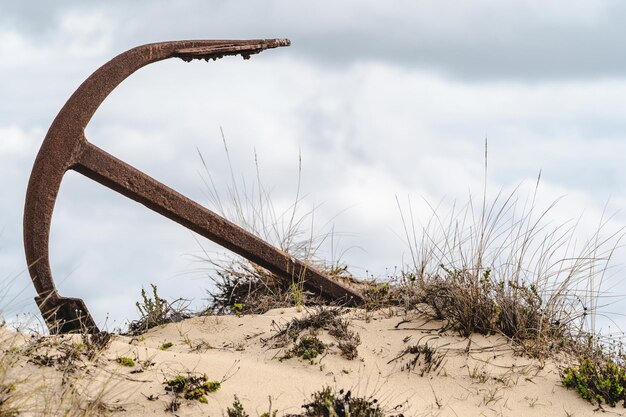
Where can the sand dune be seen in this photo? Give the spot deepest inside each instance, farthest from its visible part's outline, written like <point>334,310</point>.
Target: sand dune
<point>480,376</point>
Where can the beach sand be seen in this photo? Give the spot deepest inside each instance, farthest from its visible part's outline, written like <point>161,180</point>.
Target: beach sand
<point>477,376</point>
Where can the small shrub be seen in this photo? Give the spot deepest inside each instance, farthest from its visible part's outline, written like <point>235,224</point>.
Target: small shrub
<point>597,380</point>
<point>155,311</point>
<point>192,387</point>
<point>348,348</point>
<point>501,267</point>
<point>478,301</point>
<point>322,318</point>
<point>243,288</point>
<point>238,309</point>
<point>237,410</point>
<point>166,346</point>
<point>326,402</point>
<point>348,340</point>
<point>124,361</point>
<point>377,296</point>
<point>308,348</point>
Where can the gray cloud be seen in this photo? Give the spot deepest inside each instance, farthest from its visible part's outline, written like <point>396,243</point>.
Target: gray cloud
<point>374,97</point>
<point>483,40</point>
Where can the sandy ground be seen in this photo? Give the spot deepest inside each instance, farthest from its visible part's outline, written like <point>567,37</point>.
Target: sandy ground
<point>481,376</point>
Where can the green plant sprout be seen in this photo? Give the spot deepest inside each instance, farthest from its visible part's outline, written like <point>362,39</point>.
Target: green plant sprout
<point>192,387</point>
<point>124,361</point>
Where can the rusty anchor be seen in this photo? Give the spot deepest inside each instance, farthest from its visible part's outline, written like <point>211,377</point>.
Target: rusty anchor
<point>65,147</point>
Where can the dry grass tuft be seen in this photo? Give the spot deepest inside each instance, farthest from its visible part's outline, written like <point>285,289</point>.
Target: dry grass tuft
<point>242,287</point>
<point>63,379</point>
<point>302,331</point>
<point>9,399</point>
<point>503,270</point>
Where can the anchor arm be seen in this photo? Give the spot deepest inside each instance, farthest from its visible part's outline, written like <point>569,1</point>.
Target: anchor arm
<point>119,176</point>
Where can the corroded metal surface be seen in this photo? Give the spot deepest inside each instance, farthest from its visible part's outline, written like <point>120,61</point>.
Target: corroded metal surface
<point>65,147</point>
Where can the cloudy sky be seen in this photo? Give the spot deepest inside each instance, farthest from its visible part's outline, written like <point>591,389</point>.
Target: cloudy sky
<point>380,99</point>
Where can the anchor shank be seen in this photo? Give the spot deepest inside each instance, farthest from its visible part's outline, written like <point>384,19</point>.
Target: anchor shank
<point>115,174</point>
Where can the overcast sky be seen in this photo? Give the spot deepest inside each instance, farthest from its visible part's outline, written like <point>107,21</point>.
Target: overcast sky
<point>380,99</point>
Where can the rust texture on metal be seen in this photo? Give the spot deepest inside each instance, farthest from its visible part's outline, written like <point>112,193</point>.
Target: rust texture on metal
<point>65,147</point>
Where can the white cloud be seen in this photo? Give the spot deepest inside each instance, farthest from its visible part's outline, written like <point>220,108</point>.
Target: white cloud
<point>16,51</point>
<point>76,35</point>
<point>18,143</point>
<point>86,34</point>
<point>376,127</point>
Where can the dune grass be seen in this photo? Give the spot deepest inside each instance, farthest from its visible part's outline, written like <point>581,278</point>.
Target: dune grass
<point>242,286</point>
<point>504,269</point>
